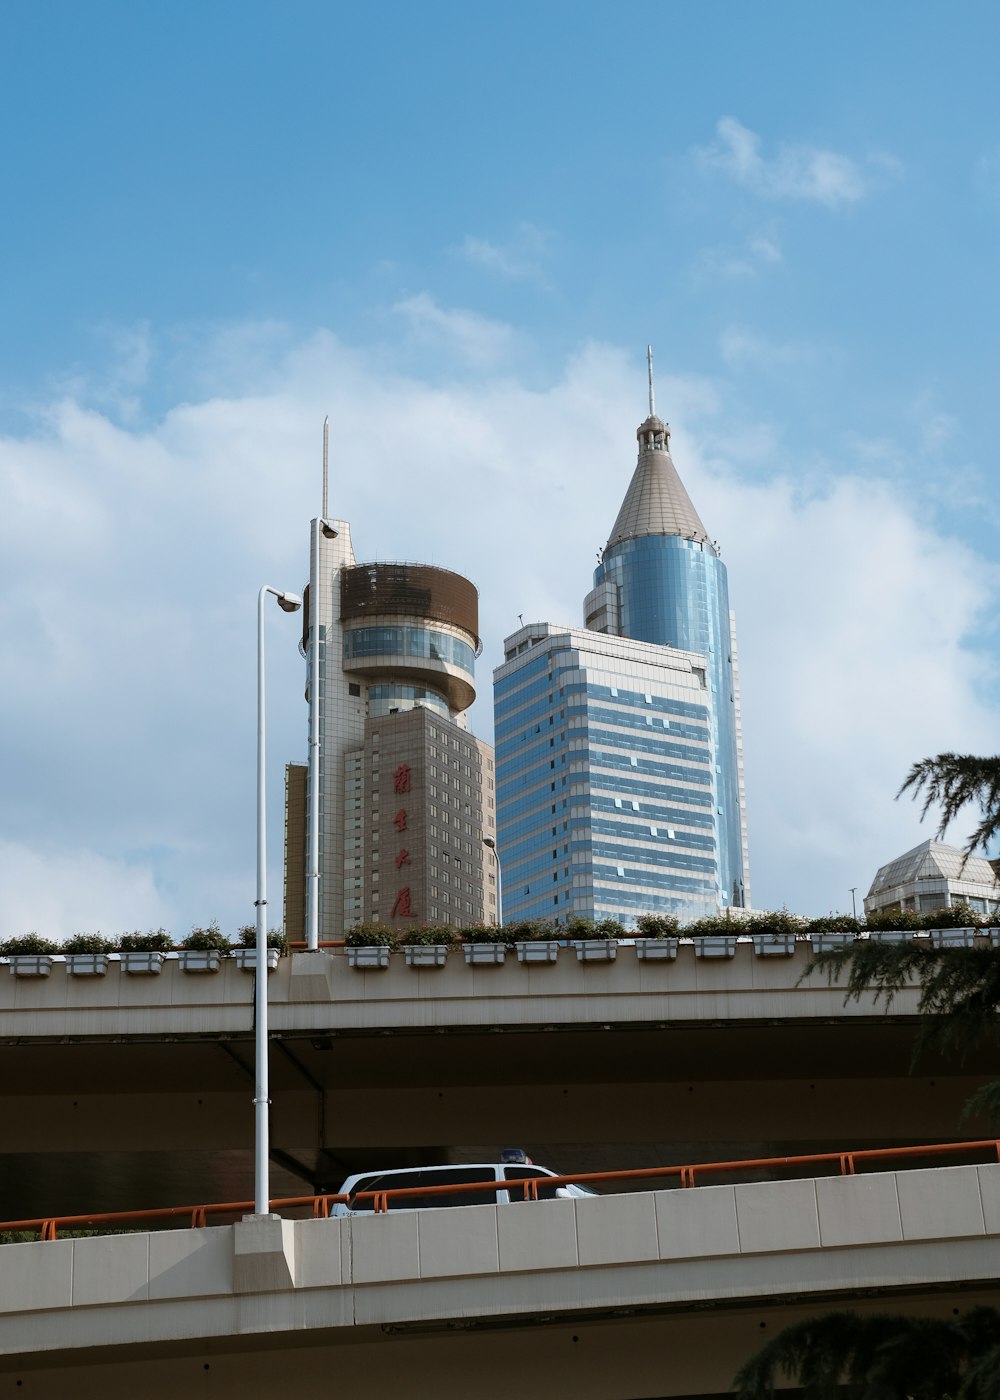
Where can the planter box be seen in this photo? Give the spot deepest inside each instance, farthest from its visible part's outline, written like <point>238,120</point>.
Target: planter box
<point>199,959</point>
<point>656,949</point>
<point>893,935</point>
<point>488,954</point>
<point>774,945</point>
<point>30,964</point>
<point>87,964</point>
<point>141,962</point>
<point>425,954</point>
<point>375,955</point>
<point>715,945</point>
<point>953,937</point>
<point>545,950</point>
<point>826,942</point>
<point>595,949</point>
<point>246,958</point>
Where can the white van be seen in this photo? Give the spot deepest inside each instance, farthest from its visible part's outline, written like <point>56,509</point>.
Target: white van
<point>403,1178</point>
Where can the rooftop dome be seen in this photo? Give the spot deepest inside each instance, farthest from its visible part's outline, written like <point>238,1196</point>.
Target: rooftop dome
<point>656,502</point>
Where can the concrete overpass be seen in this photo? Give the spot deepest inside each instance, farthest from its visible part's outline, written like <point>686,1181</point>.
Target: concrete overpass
<point>651,1294</point>
<point>123,1091</point>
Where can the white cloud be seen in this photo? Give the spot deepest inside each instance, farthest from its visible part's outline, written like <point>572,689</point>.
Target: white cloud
<point>796,173</point>
<point>986,175</point>
<point>519,259</point>
<point>475,339</point>
<point>127,619</point>
<point>742,347</point>
<point>748,260</point>
<point>57,893</point>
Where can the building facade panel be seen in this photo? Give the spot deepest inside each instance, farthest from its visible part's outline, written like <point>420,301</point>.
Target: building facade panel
<point>620,763</point>
<point>604,790</point>
<point>400,832</point>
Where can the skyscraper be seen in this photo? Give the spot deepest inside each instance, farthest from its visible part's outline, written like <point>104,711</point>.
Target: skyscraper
<point>404,793</point>
<point>619,757</point>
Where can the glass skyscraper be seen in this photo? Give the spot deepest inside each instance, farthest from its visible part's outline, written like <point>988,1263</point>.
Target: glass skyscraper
<point>619,747</point>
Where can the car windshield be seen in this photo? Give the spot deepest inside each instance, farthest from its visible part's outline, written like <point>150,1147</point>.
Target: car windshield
<point>429,1176</point>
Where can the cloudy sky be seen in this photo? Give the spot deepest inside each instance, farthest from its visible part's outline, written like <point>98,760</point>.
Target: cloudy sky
<point>454,230</point>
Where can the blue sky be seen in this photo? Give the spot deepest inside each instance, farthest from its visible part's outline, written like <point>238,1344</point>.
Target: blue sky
<point>454,230</point>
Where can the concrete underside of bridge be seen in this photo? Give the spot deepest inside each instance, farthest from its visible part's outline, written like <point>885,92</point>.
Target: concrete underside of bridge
<point>685,1353</point>
<point>92,1125</point>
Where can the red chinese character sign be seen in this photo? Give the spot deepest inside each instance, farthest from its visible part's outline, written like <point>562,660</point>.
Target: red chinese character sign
<point>402,905</point>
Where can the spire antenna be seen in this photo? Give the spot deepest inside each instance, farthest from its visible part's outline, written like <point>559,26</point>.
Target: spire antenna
<point>649,370</point>
<point>326,466</point>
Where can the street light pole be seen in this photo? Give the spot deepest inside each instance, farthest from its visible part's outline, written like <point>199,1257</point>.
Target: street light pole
<point>320,529</point>
<point>854,903</point>
<point>289,602</point>
<point>491,845</point>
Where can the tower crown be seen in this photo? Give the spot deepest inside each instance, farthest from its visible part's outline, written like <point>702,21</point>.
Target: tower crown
<point>654,434</point>
<point>656,502</point>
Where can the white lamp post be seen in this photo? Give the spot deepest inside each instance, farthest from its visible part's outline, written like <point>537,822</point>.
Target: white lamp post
<point>491,845</point>
<point>318,528</point>
<point>290,602</point>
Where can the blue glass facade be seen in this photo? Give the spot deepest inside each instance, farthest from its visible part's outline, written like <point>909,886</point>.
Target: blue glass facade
<point>605,794</point>
<point>421,642</point>
<point>674,592</point>
<point>619,747</point>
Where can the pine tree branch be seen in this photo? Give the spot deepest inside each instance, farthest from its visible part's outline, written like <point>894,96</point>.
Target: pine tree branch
<point>952,781</point>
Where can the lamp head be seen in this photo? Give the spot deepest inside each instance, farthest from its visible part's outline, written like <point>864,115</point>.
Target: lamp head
<point>329,532</point>
<point>488,841</point>
<point>289,602</point>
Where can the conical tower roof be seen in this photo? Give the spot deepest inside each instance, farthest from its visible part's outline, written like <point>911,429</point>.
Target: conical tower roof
<point>656,502</point>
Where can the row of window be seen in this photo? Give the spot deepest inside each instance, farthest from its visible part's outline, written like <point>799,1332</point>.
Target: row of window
<point>421,642</point>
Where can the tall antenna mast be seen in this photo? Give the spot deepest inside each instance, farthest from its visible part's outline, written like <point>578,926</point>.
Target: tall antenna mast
<point>649,370</point>
<point>326,464</point>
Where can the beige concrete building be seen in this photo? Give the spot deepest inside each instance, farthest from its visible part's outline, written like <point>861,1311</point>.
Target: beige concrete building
<point>396,652</point>
<point>418,797</point>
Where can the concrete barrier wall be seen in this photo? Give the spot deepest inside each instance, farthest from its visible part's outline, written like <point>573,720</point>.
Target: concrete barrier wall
<point>319,991</point>
<point>763,1242</point>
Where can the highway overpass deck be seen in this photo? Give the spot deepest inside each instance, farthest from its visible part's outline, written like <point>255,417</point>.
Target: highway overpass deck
<point>650,1294</point>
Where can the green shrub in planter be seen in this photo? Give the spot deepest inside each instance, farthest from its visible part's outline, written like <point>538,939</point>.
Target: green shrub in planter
<point>27,943</point>
<point>577,926</point>
<point>775,923</point>
<point>657,925</point>
<point>426,935</point>
<point>486,933</point>
<point>834,923</point>
<point>900,920</point>
<point>957,916</point>
<point>714,924</point>
<point>158,941</point>
<point>90,943</point>
<point>247,937</point>
<point>608,928</point>
<point>531,931</point>
<point>206,940</point>
<point>370,936</point>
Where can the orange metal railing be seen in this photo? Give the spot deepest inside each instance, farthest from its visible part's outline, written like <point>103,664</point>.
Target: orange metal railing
<point>688,1175</point>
